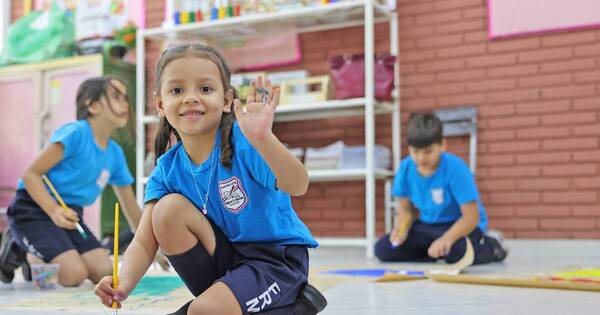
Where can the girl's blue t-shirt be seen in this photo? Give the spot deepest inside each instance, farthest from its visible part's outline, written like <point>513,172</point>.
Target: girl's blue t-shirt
<point>86,168</point>
<point>242,200</point>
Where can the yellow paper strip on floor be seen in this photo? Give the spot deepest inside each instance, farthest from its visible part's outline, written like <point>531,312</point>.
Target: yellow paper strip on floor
<point>543,283</point>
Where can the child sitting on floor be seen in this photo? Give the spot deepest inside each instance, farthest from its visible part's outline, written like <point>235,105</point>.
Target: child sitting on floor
<point>442,188</point>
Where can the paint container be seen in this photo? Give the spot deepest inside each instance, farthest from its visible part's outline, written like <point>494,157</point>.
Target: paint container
<point>45,276</point>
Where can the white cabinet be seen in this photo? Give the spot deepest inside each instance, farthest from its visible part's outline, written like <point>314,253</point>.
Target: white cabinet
<point>308,19</point>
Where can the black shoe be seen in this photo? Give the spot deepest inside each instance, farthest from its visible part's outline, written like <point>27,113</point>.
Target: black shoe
<point>11,257</point>
<point>182,310</point>
<point>26,270</point>
<point>496,239</point>
<point>7,276</point>
<point>310,301</point>
<point>125,238</point>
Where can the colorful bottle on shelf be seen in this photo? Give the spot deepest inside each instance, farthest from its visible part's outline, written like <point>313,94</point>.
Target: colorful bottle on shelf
<point>197,11</point>
<point>184,13</point>
<point>222,9</point>
<point>177,18</point>
<point>230,10</point>
<point>214,12</point>
<point>204,9</point>
<point>192,15</point>
<point>237,9</point>
<point>175,7</point>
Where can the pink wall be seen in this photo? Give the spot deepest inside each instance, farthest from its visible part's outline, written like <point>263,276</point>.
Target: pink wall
<point>520,17</point>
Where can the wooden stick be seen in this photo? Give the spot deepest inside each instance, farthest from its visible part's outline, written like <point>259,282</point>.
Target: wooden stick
<point>517,282</point>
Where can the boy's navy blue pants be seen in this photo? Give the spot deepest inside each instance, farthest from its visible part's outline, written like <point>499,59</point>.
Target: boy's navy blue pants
<point>420,237</point>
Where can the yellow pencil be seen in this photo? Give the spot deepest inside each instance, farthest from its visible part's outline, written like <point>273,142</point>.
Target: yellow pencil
<point>62,204</point>
<point>116,255</point>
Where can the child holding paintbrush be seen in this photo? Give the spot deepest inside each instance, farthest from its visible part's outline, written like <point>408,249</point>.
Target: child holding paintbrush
<point>442,188</point>
<point>45,217</point>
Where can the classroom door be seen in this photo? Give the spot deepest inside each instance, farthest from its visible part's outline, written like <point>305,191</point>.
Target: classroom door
<point>20,99</point>
<point>60,92</point>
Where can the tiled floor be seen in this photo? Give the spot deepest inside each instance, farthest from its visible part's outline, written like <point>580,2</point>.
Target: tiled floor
<point>425,297</point>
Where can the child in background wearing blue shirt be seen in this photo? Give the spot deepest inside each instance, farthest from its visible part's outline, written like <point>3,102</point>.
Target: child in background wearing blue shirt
<point>442,188</point>
<point>218,201</point>
<point>79,160</point>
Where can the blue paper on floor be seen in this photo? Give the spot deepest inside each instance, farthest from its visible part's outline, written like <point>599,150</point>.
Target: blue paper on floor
<point>374,273</point>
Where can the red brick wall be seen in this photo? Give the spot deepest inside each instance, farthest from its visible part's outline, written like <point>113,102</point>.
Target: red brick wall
<point>539,117</point>
<point>539,107</point>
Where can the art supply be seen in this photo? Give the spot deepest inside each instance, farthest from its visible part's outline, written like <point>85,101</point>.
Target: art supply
<point>457,267</point>
<point>115,283</point>
<point>404,226</point>
<point>44,276</point>
<point>582,275</point>
<point>214,12</point>
<point>513,281</point>
<point>204,10</point>
<point>222,9</point>
<point>198,12</point>
<point>237,10</point>
<point>63,205</point>
<point>453,269</point>
<point>229,9</point>
<point>184,13</point>
<point>380,275</point>
<point>402,275</point>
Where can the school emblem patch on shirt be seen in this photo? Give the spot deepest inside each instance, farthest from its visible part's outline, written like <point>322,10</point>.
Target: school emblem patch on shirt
<point>232,193</point>
<point>103,178</point>
<point>437,195</point>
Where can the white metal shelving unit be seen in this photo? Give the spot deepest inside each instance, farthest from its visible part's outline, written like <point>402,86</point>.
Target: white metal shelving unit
<point>309,19</point>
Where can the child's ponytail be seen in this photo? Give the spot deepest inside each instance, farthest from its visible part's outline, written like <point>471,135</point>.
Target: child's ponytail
<point>226,126</point>
<point>163,138</point>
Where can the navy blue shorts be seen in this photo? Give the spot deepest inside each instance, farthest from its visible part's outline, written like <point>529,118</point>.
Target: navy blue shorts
<point>261,276</point>
<point>35,232</point>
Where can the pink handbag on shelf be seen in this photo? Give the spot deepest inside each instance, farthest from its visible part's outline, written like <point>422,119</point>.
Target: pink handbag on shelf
<point>348,76</point>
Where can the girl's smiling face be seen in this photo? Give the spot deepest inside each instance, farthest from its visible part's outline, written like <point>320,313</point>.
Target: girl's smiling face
<point>192,96</point>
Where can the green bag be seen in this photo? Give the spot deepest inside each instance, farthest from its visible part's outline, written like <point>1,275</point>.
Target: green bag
<point>39,36</point>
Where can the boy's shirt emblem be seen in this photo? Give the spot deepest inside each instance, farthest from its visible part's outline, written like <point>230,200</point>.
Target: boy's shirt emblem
<point>437,195</point>
<point>233,196</point>
<point>103,178</point>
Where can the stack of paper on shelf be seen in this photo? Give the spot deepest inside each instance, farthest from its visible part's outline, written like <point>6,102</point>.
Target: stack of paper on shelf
<point>328,157</point>
<point>340,156</point>
<point>356,157</point>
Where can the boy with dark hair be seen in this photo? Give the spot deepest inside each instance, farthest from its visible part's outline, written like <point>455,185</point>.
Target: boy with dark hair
<point>442,188</point>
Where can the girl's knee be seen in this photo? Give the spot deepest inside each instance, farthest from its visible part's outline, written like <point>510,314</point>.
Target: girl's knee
<point>72,274</point>
<point>99,270</point>
<point>203,306</point>
<point>164,212</point>
<point>168,205</point>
